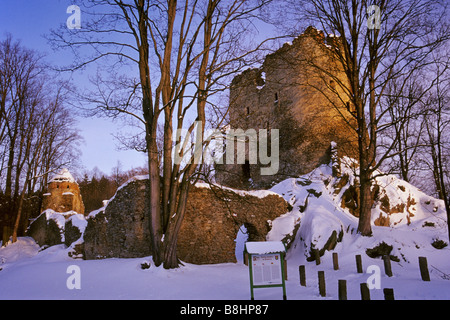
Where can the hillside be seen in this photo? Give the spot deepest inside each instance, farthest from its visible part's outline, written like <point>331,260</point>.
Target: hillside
<point>414,225</point>
<point>402,216</point>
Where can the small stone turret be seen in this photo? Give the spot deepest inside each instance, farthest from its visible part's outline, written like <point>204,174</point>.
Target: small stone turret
<point>63,194</point>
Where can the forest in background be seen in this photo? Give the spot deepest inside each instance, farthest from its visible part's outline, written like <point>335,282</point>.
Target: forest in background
<point>96,186</point>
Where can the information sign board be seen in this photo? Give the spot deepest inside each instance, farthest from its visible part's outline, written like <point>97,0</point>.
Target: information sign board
<point>266,265</point>
<point>266,269</point>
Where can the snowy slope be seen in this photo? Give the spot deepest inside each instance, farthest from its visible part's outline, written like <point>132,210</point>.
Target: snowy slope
<point>29,273</point>
<point>317,208</point>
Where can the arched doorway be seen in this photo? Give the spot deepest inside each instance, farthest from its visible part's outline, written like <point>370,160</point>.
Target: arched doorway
<point>246,232</point>
<point>241,239</point>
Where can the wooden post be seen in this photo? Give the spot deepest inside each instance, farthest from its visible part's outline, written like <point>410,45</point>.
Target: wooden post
<point>285,268</point>
<point>245,258</point>
<point>301,270</point>
<point>365,292</point>
<point>424,269</point>
<point>335,261</point>
<point>317,256</point>
<point>387,265</point>
<point>358,263</point>
<point>388,294</point>
<point>322,290</point>
<point>283,264</point>
<point>342,288</point>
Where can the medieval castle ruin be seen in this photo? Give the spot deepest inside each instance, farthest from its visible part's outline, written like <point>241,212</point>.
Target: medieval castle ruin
<point>120,229</point>
<point>61,205</point>
<point>295,91</point>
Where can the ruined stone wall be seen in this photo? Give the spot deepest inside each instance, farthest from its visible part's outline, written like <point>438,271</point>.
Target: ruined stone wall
<point>210,226</point>
<point>213,218</point>
<point>293,92</point>
<point>121,230</point>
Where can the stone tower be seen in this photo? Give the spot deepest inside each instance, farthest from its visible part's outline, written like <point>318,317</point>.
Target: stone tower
<point>293,92</point>
<point>63,194</point>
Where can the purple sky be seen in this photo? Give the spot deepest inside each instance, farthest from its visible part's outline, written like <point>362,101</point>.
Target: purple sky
<point>28,21</point>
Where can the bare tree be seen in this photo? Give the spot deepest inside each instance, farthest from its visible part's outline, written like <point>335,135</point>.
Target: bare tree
<point>377,43</point>
<point>437,133</point>
<point>404,122</point>
<point>36,129</point>
<point>182,53</point>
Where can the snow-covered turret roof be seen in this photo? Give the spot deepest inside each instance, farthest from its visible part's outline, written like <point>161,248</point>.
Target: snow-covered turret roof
<point>264,247</point>
<point>63,176</point>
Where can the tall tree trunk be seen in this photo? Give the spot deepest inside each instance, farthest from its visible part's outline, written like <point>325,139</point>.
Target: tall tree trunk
<point>445,197</point>
<point>171,237</point>
<point>166,93</point>
<point>365,203</point>
<point>8,184</point>
<point>150,113</point>
<point>19,212</point>
<point>155,201</point>
<point>440,168</point>
<point>366,147</point>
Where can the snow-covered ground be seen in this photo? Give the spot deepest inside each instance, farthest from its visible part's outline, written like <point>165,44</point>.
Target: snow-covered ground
<point>30,273</point>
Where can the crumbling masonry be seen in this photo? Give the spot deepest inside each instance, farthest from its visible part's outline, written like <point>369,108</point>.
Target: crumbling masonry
<point>293,91</point>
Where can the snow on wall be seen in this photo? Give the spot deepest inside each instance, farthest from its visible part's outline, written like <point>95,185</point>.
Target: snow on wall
<point>63,176</point>
<point>258,247</point>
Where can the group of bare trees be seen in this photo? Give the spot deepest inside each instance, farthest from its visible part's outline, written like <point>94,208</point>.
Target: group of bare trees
<point>422,147</point>
<point>177,55</point>
<point>394,57</point>
<point>182,54</point>
<point>165,64</point>
<point>36,131</point>
<point>436,123</point>
<point>419,120</point>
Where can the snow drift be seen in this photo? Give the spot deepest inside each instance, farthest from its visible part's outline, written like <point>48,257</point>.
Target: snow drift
<point>323,217</point>
<point>405,220</point>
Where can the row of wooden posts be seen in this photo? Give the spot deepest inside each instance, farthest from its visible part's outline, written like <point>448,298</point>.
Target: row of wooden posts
<point>342,289</point>
<point>342,284</point>
<point>365,292</point>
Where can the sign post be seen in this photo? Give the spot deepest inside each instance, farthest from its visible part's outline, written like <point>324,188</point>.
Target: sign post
<point>266,265</point>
